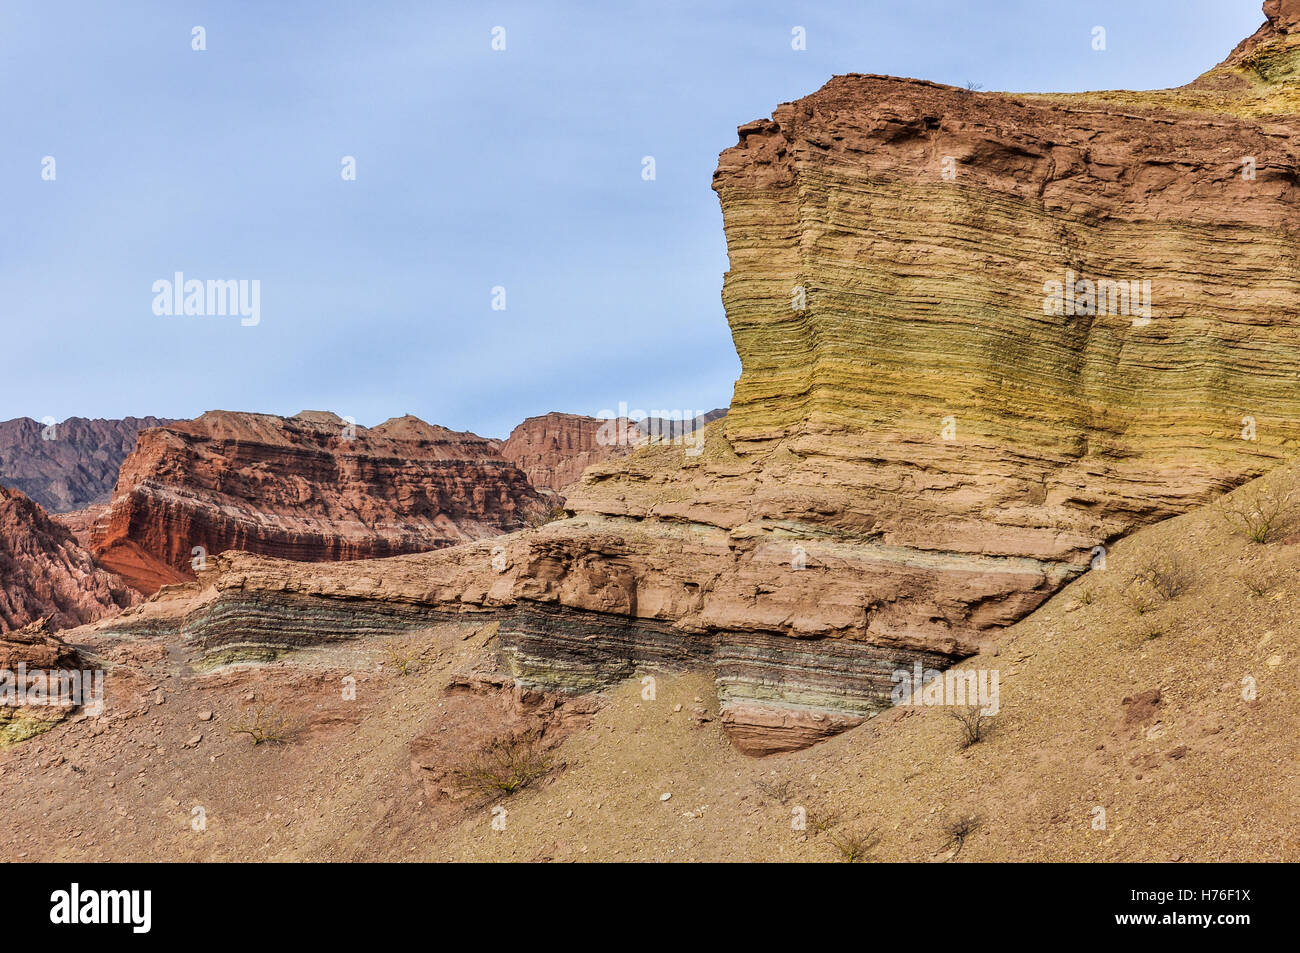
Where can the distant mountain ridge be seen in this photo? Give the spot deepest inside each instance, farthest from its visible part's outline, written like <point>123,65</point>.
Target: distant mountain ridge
<point>69,465</point>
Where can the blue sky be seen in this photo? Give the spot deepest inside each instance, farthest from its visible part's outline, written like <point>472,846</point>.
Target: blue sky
<point>475,169</point>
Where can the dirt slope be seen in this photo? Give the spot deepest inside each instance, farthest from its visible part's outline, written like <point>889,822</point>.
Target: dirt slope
<point>1201,774</point>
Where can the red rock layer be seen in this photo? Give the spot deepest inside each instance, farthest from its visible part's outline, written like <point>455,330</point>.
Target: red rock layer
<point>44,573</point>
<point>555,448</point>
<point>309,488</point>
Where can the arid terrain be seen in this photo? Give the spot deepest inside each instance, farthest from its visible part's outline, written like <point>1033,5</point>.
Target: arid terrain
<point>1018,412</point>
<point>1102,706</point>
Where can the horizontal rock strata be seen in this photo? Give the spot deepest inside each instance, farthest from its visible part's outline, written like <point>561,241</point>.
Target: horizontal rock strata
<point>309,487</point>
<point>930,434</point>
<point>555,448</point>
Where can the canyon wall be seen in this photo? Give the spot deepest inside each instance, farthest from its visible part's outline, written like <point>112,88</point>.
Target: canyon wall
<point>555,448</point>
<point>309,487</point>
<point>936,424</point>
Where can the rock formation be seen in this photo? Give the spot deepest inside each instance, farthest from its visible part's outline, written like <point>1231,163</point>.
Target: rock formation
<point>982,335</point>
<point>28,658</point>
<point>44,574</point>
<point>309,487</point>
<point>69,465</point>
<point>554,449</point>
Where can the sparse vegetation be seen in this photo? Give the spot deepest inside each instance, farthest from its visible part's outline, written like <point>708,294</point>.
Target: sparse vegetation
<point>974,723</point>
<point>853,843</point>
<point>264,723</point>
<point>1258,512</point>
<point>958,829</point>
<point>780,790</point>
<point>1165,575</point>
<point>1138,599</point>
<point>1254,583</point>
<point>505,765</point>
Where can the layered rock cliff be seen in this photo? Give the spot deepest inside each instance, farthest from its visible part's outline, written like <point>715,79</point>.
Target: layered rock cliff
<point>981,336</point>
<point>69,465</point>
<point>555,448</point>
<point>309,487</point>
<point>44,574</point>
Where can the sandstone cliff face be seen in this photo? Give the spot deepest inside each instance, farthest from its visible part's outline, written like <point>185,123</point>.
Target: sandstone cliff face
<point>45,574</point>
<point>936,425</point>
<point>555,448</point>
<point>307,488</point>
<point>69,465</point>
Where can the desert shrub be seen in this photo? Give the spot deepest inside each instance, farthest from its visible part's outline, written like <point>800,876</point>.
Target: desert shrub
<point>958,829</point>
<point>263,723</point>
<point>1258,512</point>
<point>780,790</point>
<point>1138,598</point>
<point>973,722</point>
<point>1165,575</point>
<point>504,765</point>
<point>1256,583</point>
<point>853,843</point>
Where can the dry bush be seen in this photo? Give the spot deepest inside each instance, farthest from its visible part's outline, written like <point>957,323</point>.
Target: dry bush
<point>958,829</point>
<point>780,790</point>
<point>974,723</point>
<point>1165,575</point>
<point>1258,512</point>
<point>1138,598</point>
<point>264,723</point>
<point>1255,583</point>
<point>504,765</point>
<point>854,844</point>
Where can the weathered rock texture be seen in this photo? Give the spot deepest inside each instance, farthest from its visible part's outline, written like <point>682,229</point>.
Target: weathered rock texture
<point>308,488</point>
<point>29,657</point>
<point>44,574</point>
<point>69,465</point>
<point>555,448</point>
<point>920,449</point>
